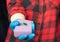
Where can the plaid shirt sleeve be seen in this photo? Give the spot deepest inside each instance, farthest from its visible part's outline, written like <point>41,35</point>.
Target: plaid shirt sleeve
<point>45,14</point>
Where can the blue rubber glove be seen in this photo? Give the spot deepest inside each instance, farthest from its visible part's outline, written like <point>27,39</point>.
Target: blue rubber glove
<point>14,24</point>
<point>24,36</point>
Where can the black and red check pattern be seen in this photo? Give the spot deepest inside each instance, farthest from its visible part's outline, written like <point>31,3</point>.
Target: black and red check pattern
<point>45,14</point>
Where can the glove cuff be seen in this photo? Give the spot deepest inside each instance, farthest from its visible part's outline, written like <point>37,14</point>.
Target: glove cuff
<point>17,16</point>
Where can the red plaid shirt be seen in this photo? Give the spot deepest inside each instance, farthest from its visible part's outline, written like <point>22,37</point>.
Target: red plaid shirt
<point>45,14</point>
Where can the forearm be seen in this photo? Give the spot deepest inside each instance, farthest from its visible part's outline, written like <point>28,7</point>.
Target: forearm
<point>15,7</point>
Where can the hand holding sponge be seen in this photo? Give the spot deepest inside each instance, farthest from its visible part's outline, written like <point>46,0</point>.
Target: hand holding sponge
<point>23,29</point>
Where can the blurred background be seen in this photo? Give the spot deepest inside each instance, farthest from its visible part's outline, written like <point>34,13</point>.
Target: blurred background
<point>3,20</point>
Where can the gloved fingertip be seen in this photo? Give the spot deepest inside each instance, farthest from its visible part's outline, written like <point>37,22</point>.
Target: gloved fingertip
<point>22,37</point>
<point>31,36</point>
<point>17,23</point>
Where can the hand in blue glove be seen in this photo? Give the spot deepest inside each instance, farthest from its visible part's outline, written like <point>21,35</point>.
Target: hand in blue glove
<point>24,36</point>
